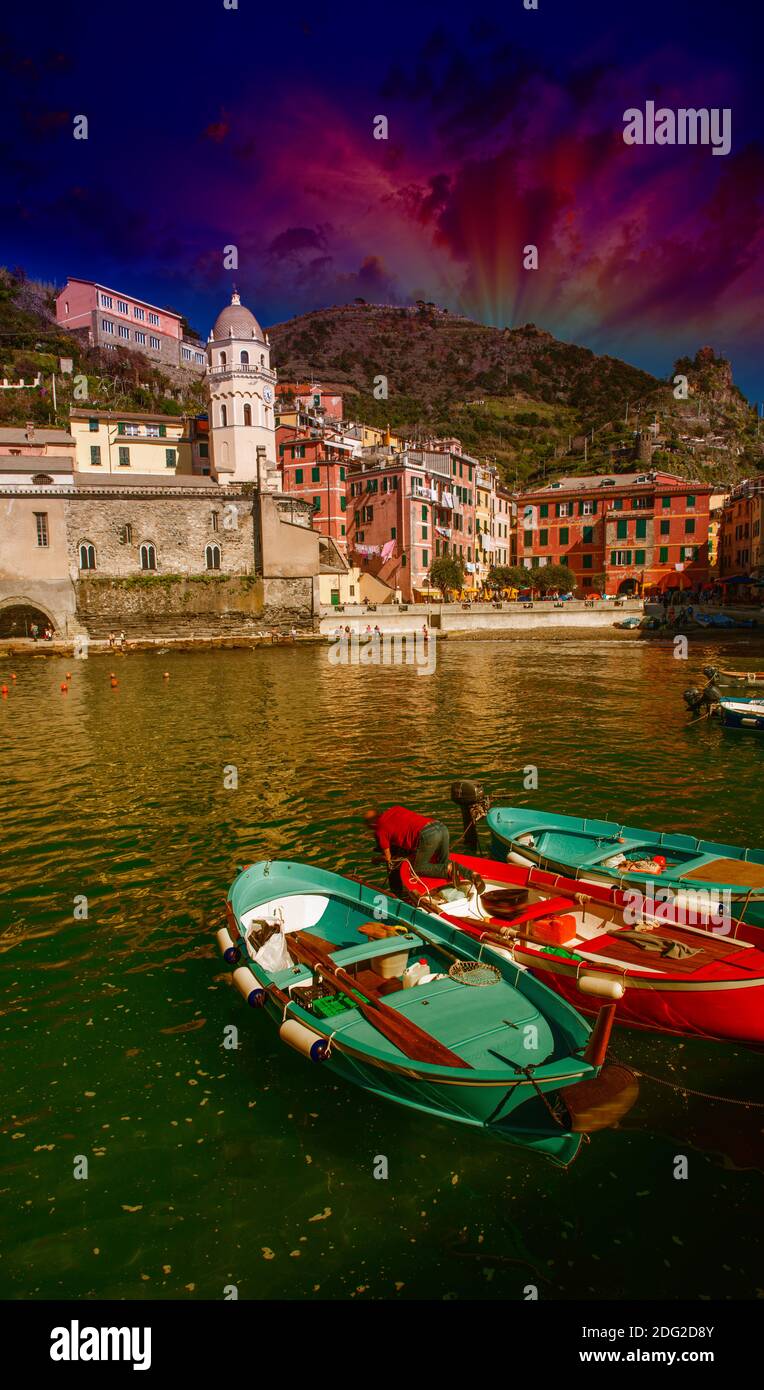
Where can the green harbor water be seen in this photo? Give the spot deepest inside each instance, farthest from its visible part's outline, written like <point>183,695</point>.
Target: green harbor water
<point>209,1168</point>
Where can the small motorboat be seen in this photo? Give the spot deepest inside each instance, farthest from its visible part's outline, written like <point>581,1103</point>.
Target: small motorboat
<point>402,1004</point>
<point>742,714</point>
<point>726,679</point>
<point>589,945</point>
<point>604,852</point>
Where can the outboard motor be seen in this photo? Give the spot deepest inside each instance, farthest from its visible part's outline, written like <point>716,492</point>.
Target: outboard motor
<point>474,802</point>
<point>710,672</point>
<point>697,700</point>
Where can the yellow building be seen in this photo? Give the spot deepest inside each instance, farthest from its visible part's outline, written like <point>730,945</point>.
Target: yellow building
<point>131,442</point>
<point>485,506</point>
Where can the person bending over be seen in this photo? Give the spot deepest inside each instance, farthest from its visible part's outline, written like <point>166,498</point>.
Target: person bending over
<point>408,835</point>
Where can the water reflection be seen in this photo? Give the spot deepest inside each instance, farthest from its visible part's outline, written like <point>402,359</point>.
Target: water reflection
<point>201,1159</point>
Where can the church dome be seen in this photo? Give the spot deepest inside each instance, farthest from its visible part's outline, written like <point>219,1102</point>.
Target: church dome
<point>236,321</point>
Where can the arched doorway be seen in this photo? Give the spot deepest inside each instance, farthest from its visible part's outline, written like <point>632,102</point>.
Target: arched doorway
<point>627,588</point>
<point>18,620</point>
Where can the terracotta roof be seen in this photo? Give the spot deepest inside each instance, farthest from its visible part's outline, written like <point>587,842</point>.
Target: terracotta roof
<point>648,478</point>
<point>127,479</point>
<point>331,560</point>
<point>80,414</point>
<point>32,464</point>
<point>20,436</point>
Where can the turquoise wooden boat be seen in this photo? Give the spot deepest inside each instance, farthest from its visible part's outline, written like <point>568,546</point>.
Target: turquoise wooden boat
<point>526,1067</point>
<point>721,877</point>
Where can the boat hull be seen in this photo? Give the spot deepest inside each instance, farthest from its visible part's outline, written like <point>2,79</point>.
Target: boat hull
<point>742,714</point>
<point>518,1103</point>
<point>567,845</point>
<point>724,1001</point>
<point>461,1102</point>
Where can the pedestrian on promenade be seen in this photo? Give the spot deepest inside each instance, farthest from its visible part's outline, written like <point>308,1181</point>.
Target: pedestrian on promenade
<point>112,639</point>
<point>35,631</point>
<point>122,641</point>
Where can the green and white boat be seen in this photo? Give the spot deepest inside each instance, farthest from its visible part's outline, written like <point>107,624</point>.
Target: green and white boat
<point>723,878</point>
<point>406,1008</point>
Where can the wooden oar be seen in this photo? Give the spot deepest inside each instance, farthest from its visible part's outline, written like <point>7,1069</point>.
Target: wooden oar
<point>411,1040</point>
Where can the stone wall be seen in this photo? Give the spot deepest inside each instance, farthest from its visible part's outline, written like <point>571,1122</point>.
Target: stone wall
<point>149,605</point>
<point>291,603</point>
<point>192,605</point>
<point>180,527</point>
<point>482,618</point>
<point>182,597</point>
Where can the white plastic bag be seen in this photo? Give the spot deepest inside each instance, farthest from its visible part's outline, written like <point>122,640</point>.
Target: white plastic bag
<point>274,956</point>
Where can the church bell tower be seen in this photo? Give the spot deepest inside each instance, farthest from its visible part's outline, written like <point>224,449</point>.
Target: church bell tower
<point>242,400</point>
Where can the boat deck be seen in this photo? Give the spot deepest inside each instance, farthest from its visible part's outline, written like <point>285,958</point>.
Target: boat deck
<point>740,872</point>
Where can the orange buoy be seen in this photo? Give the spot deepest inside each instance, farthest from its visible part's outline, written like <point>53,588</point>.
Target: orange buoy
<point>13,675</point>
<point>114,682</point>
<point>68,675</point>
<point>3,690</point>
<point>166,675</point>
<point>64,687</point>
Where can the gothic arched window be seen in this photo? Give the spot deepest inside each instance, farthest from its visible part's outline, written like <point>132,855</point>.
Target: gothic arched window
<point>245,359</point>
<point>223,359</point>
<point>87,556</point>
<point>212,557</point>
<point>148,556</point>
<point>223,415</point>
<point>248,415</point>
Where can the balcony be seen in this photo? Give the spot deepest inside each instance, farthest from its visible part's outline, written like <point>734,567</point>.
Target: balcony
<point>243,369</point>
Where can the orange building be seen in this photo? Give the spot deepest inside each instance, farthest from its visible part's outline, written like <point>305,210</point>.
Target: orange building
<point>619,533</point>
<point>314,468</point>
<point>741,537</point>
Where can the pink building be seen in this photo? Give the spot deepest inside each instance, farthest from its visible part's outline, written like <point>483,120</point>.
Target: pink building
<point>404,510</point>
<point>110,318</point>
<point>311,398</point>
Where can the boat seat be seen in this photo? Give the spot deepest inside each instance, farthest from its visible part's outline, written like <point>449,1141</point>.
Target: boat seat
<point>293,974</point>
<point>369,950</point>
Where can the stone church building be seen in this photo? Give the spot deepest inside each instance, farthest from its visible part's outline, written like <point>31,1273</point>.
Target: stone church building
<point>90,544</point>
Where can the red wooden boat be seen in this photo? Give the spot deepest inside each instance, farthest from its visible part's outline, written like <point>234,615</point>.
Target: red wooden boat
<point>666,977</point>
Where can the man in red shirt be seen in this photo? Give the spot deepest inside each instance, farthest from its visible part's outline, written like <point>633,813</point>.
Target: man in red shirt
<point>410,836</point>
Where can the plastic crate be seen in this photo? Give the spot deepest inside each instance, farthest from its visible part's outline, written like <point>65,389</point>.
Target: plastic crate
<point>332,1004</point>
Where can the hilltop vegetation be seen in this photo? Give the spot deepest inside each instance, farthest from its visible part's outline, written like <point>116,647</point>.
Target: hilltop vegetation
<point>519,395</point>
<point>538,407</point>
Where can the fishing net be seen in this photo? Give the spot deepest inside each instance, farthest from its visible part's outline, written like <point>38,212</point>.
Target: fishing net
<point>474,972</point>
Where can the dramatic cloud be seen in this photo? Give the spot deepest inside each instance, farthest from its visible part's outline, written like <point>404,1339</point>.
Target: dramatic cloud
<point>504,132</point>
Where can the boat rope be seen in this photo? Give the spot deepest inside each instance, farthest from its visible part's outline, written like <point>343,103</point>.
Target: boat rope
<point>689,1090</point>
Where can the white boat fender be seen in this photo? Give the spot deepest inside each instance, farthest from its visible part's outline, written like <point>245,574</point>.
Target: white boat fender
<point>304,1040</point>
<point>602,986</point>
<point>228,948</point>
<point>249,987</point>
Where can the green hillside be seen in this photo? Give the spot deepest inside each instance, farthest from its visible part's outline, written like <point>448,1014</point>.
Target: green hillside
<point>520,396</point>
